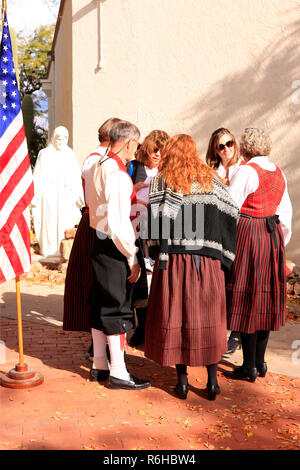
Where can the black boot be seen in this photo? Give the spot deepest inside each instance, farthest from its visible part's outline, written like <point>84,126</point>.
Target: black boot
<point>234,342</point>
<point>182,386</point>
<point>212,386</point>
<point>248,369</point>
<point>261,346</point>
<point>138,337</point>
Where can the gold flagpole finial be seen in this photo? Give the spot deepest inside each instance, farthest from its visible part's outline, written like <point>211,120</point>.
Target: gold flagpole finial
<point>4,8</point>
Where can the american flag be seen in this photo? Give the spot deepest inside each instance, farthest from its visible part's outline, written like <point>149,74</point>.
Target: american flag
<point>16,184</point>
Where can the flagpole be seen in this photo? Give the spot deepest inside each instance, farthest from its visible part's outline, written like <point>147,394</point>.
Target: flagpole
<point>19,315</point>
<point>4,7</point>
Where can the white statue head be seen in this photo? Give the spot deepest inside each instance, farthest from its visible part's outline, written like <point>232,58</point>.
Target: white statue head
<point>60,138</point>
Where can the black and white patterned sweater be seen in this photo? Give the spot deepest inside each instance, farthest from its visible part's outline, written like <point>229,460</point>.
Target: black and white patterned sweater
<point>201,223</point>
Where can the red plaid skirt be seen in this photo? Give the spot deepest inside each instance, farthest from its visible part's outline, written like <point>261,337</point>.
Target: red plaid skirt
<point>186,315</point>
<point>256,287</point>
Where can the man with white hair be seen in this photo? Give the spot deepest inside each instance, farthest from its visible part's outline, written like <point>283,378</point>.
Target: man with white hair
<point>58,194</point>
<point>110,197</point>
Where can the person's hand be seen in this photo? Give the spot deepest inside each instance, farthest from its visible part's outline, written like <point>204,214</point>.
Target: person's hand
<point>140,185</point>
<point>135,273</point>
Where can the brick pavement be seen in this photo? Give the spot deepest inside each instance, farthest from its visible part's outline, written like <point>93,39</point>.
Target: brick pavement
<point>69,412</point>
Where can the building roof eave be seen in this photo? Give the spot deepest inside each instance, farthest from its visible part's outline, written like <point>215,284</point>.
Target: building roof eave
<point>59,16</point>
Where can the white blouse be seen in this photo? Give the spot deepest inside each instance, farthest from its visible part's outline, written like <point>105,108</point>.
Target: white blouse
<point>245,181</point>
<point>231,170</point>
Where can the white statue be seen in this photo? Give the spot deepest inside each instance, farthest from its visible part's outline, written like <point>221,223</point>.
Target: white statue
<point>58,194</point>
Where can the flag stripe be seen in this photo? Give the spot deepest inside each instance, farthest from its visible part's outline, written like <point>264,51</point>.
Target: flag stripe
<point>13,163</point>
<point>23,203</point>
<point>16,180</point>
<point>11,148</point>
<point>15,198</point>
<point>6,266</point>
<point>10,133</point>
<point>20,247</point>
<point>2,277</point>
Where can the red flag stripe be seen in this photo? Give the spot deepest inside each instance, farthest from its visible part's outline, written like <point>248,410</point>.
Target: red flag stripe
<point>11,148</point>
<point>19,208</point>
<point>14,181</point>
<point>12,254</point>
<point>2,277</point>
<point>11,132</point>
<point>24,229</point>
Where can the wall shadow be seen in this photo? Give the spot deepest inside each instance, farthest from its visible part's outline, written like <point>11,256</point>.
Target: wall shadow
<point>260,95</point>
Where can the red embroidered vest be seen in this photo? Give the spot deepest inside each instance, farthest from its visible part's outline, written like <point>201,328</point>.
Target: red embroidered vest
<point>122,167</point>
<point>265,200</point>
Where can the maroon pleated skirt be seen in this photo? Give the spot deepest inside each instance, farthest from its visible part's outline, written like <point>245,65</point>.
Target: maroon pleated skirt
<point>186,315</point>
<point>256,286</point>
<point>79,279</point>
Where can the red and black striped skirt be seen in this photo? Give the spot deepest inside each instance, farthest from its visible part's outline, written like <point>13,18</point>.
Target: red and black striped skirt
<point>256,285</point>
<point>186,315</point>
<point>79,279</point>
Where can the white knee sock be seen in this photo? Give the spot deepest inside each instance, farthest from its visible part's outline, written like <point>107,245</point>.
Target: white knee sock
<point>116,345</point>
<point>99,346</point>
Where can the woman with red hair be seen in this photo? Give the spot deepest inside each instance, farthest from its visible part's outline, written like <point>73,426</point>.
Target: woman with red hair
<point>192,234</point>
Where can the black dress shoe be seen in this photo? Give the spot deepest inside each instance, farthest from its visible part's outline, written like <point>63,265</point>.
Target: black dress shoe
<point>234,342</point>
<point>134,383</point>
<point>242,372</point>
<point>98,375</point>
<point>212,391</point>
<point>262,369</point>
<point>182,390</point>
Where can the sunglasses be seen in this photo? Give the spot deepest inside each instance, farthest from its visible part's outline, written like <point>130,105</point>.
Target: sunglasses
<point>228,144</point>
<point>155,150</point>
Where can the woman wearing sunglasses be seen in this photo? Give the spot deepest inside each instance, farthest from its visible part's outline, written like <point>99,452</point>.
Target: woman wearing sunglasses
<point>142,170</point>
<point>223,155</point>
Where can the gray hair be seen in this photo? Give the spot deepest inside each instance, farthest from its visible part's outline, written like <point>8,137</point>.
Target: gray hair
<point>255,142</point>
<point>123,130</point>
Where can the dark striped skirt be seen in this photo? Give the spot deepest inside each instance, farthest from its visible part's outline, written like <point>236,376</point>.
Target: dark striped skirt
<point>186,315</point>
<point>79,279</point>
<point>256,286</point>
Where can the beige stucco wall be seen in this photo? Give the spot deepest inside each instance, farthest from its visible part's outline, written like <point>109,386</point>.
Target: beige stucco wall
<point>61,72</point>
<point>187,66</point>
